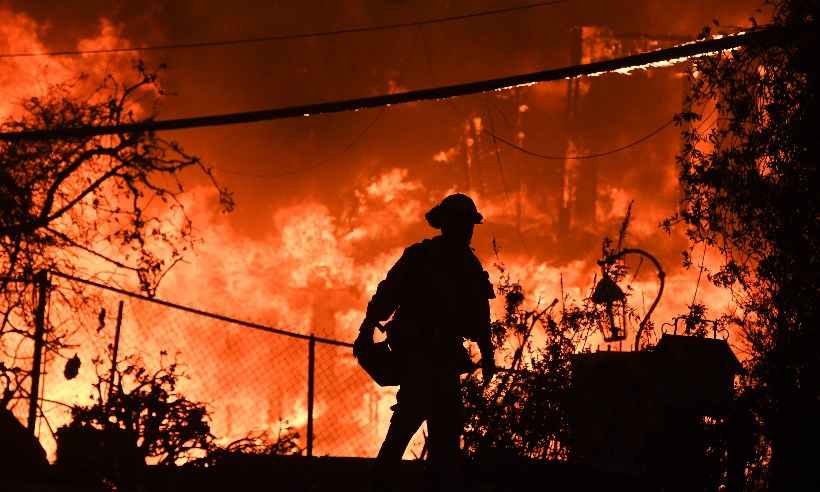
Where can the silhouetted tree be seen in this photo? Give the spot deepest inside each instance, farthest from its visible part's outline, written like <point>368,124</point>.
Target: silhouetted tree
<point>86,204</point>
<point>749,190</point>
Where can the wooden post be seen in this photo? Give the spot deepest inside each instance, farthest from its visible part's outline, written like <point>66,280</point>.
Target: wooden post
<point>311,370</point>
<point>39,334</point>
<point>114,354</point>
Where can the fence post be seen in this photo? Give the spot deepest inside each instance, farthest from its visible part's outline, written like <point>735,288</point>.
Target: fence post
<point>311,370</point>
<point>39,333</point>
<point>114,354</point>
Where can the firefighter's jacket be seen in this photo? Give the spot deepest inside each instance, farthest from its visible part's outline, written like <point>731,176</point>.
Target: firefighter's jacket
<point>438,294</point>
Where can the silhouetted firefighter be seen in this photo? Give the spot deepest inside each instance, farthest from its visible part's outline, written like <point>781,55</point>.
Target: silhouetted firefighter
<point>438,294</point>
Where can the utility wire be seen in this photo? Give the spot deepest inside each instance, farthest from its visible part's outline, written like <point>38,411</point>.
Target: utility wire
<point>706,119</point>
<point>583,156</point>
<point>284,37</point>
<point>490,120</point>
<point>663,57</point>
<point>352,143</point>
<point>318,163</point>
<point>600,154</point>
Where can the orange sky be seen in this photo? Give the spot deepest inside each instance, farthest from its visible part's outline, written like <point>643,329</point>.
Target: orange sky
<point>304,251</point>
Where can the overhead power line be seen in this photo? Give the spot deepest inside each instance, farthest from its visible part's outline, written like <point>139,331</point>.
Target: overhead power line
<point>583,156</point>
<point>704,122</point>
<point>352,143</point>
<point>661,57</point>
<point>285,37</point>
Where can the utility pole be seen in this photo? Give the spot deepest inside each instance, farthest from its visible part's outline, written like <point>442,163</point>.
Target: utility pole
<point>114,354</point>
<point>573,88</point>
<point>520,189</point>
<point>468,182</point>
<point>311,371</point>
<point>39,335</point>
<point>477,167</point>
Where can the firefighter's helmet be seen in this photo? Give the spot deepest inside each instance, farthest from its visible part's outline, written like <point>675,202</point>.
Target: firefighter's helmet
<point>457,206</point>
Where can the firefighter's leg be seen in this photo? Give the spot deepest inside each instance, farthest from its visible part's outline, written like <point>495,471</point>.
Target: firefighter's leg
<point>445,426</point>
<point>406,420</point>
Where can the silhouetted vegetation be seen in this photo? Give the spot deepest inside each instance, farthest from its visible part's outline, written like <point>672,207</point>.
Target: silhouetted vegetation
<point>145,407</point>
<point>284,443</point>
<point>68,203</point>
<point>145,419</point>
<point>522,412</point>
<point>749,190</point>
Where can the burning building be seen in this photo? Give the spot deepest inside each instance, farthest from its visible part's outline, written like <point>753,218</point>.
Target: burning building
<point>326,204</point>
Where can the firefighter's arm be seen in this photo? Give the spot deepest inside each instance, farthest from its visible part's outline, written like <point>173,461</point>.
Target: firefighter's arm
<point>388,293</point>
<point>485,346</point>
<point>484,341</point>
<point>384,301</point>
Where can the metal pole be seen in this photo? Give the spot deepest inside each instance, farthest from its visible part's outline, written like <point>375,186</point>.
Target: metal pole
<point>114,354</point>
<point>39,334</point>
<point>311,370</point>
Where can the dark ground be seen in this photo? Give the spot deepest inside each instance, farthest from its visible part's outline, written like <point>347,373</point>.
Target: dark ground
<point>336,475</point>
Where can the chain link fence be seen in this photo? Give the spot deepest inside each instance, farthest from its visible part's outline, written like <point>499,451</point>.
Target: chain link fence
<point>251,377</point>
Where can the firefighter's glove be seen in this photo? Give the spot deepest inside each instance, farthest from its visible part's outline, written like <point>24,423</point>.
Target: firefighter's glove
<point>365,337</point>
<point>487,370</point>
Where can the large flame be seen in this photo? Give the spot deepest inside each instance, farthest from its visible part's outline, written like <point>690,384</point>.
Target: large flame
<point>304,253</point>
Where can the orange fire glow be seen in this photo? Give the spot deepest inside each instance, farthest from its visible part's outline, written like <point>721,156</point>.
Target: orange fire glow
<point>305,252</point>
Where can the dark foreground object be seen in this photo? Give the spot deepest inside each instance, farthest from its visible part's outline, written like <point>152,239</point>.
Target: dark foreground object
<point>334,475</point>
<point>645,413</point>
